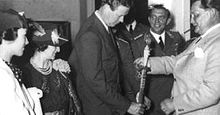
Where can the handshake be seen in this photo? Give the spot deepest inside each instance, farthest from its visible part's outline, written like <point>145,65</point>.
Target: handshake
<point>138,108</point>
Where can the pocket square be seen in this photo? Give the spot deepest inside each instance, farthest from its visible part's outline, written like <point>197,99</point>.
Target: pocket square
<point>199,53</point>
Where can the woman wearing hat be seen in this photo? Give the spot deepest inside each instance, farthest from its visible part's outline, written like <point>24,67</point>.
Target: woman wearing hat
<point>15,99</point>
<point>51,75</point>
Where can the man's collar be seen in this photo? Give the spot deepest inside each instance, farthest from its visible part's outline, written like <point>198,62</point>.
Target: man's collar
<point>100,18</point>
<point>156,36</point>
<point>134,23</point>
<point>210,29</point>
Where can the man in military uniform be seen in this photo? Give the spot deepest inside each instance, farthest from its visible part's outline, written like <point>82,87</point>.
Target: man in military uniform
<point>163,43</point>
<point>126,33</point>
<point>127,73</point>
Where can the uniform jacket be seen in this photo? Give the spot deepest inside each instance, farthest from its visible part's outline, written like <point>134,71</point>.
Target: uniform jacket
<point>196,90</point>
<point>125,35</point>
<point>173,44</point>
<point>125,39</point>
<point>158,87</point>
<point>15,98</point>
<point>138,31</point>
<point>95,60</point>
<point>127,69</point>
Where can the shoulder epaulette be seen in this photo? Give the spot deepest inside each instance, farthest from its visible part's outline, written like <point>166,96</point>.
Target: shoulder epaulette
<point>170,33</point>
<point>140,35</point>
<point>120,39</point>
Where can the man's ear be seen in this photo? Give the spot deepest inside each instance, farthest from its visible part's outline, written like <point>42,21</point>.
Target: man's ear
<point>114,4</point>
<point>212,13</point>
<point>168,21</point>
<point>148,18</point>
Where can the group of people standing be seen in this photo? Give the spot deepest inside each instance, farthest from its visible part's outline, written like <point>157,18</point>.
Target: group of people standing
<point>182,79</point>
<point>108,58</point>
<point>163,43</point>
<point>43,85</point>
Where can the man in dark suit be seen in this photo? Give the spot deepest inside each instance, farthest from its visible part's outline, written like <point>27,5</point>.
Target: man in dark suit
<point>95,59</point>
<point>164,43</point>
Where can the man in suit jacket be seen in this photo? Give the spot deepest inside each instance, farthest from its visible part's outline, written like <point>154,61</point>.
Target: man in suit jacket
<point>164,43</point>
<point>95,59</point>
<point>196,70</point>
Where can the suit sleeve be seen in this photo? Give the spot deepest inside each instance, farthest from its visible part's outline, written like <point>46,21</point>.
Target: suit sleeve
<point>90,52</point>
<point>10,102</point>
<point>162,65</point>
<point>208,92</point>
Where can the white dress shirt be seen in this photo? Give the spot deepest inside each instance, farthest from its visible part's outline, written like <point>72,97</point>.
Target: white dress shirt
<point>156,36</point>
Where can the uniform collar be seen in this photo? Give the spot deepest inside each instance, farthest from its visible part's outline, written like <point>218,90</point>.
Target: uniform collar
<point>156,36</point>
<point>134,23</point>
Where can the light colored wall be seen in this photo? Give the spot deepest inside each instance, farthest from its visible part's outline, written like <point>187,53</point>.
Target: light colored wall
<point>187,19</point>
<point>90,7</point>
<point>87,7</point>
<point>55,10</point>
<point>83,11</point>
<point>181,11</point>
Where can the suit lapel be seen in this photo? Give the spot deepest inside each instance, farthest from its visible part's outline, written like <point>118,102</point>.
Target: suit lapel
<point>156,49</point>
<point>104,33</point>
<point>127,34</point>
<point>112,38</point>
<point>201,43</point>
<point>168,42</point>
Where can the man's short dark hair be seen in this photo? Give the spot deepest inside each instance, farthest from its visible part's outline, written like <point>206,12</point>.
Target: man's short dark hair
<point>115,3</point>
<point>211,4</point>
<point>158,6</point>
<point>130,17</point>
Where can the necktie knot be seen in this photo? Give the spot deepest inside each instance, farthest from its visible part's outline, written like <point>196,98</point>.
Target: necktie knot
<point>161,43</point>
<point>130,29</point>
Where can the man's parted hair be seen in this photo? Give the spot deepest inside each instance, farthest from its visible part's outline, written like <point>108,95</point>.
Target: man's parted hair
<point>115,3</point>
<point>211,4</point>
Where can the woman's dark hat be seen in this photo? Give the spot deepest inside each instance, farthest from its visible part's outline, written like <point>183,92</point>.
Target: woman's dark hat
<point>50,37</point>
<point>12,19</point>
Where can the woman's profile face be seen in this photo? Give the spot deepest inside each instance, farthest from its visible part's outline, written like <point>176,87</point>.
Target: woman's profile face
<point>20,42</point>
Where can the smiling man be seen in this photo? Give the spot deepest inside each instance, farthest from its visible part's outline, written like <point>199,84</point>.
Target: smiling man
<point>164,43</point>
<point>196,70</point>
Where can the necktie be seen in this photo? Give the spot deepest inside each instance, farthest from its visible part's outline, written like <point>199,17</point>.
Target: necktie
<point>130,29</point>
<point>112,37</point>
<point>161,43</point>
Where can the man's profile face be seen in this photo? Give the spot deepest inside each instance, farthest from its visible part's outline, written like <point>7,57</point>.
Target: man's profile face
<point>117,15</point>
<point>158,19</point>
<point>200,18</point>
